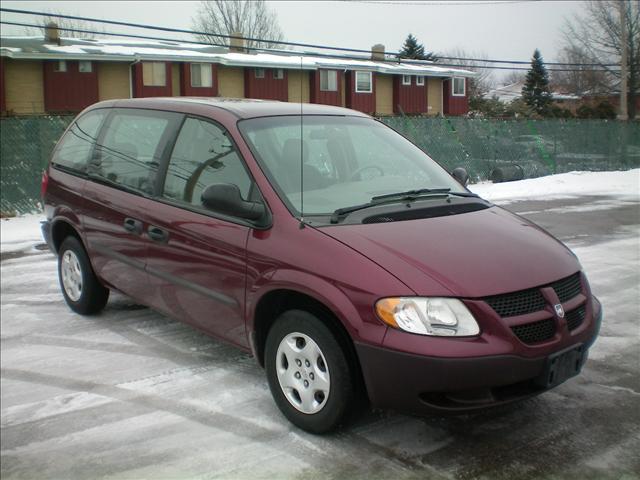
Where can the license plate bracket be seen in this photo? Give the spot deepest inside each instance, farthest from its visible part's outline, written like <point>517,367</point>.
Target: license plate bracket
<point>562,366</point>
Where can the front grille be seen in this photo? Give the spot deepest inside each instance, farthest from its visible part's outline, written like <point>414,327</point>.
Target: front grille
<point>567,288</point>
<point>531,300</point>
<point>576,317</point>
<point>517,303</point>
<point>535,332</point>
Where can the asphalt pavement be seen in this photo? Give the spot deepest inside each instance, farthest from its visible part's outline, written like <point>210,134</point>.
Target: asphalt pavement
<point>133,394</point>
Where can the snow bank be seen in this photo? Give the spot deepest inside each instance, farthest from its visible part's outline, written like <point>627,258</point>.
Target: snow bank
<point>625,184</point>
<point>20,233</point>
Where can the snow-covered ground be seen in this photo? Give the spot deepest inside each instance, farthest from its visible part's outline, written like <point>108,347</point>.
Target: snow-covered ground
<point>133,394</point>
<point>24,232</point>
<point>623,185</point>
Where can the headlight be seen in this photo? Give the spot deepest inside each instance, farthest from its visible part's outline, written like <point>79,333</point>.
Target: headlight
<point>428,316</point>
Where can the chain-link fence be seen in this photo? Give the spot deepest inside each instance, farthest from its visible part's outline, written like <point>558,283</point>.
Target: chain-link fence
<point>532,147</point>
<point>25,146</point>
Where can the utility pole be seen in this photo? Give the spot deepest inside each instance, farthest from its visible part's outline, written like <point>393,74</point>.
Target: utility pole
<point>624,114</point>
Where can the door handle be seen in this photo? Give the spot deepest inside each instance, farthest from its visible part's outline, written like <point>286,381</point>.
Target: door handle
<point>157,234</point>
<point>132,225</point>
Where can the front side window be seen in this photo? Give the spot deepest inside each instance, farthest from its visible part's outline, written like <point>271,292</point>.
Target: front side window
<point>259,72</point>
<point>203,155</point>
<point>131,148</point>
<point>328,81</point>
<point>458,87</point>
<point>363,82</point>
<point>201,75</point>
<point>419,80</point>
<point>345,161</point>
<point>60,66</point>
<point>406,79</point>
<point>85,66</point>
<point>278,74</point>
<point>74,149</point>
<point>154,74</point>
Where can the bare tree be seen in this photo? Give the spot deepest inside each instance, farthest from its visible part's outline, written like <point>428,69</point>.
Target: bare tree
<point>514,76</point>
<point>63,23</point>
<point>579,80</point>
<point>484,79</point>
<point>252,19</point>
<point>597,34</point>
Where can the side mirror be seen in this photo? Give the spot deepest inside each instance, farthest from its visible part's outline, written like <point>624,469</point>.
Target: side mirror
<point>225,198</point>
<point>461,175</point>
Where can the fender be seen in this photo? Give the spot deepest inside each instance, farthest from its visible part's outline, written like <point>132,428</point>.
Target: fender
<point>324,292</point>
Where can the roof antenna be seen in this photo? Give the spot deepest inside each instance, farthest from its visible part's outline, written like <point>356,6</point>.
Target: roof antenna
<point>301,155</point>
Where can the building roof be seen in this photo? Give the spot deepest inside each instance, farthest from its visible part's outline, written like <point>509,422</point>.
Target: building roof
<point>513,91</point>
<point>37,48</point>
<point>240,107</point>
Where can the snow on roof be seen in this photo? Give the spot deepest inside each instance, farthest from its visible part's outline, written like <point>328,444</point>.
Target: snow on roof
<point>513,91</point>
<point>132,50</point>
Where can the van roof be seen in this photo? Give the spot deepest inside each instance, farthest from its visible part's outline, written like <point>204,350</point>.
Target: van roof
<point>240,107</point>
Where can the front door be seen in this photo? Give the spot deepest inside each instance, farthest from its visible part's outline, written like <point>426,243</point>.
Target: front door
<point>196,257</point>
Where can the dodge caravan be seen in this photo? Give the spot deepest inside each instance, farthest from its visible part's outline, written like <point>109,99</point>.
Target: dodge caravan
<point>349,263</point>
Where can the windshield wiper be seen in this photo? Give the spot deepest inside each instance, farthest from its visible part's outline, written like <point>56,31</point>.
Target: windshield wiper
<point>409,195</point>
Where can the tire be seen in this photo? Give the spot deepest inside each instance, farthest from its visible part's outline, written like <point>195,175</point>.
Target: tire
<point>329,396</point>
<point>80,287</point>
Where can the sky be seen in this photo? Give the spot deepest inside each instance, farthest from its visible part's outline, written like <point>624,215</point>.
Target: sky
<point>510,30</point>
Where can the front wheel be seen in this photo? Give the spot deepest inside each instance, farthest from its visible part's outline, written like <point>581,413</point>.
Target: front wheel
<point>81,288</point>
<point>309,374</point>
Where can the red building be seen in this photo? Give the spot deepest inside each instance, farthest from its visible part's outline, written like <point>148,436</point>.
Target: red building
<point>70,86</point>
<point>361,90</point>
<point>409,94</point>
<point>266,83</point>
<point>454,96</point>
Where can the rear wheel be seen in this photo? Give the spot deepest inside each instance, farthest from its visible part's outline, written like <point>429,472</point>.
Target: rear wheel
<point>81,288</point>
<point>309,373</point>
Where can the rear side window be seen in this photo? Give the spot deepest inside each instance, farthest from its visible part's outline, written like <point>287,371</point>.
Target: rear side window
<point>77,144</point>
<point>203,155</point>
<point>131,147</point>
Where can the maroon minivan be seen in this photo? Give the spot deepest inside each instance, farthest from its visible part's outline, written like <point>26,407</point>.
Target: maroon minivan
<point>348,262</point>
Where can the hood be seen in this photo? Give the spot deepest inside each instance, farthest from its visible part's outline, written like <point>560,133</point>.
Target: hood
<point>474,254</point>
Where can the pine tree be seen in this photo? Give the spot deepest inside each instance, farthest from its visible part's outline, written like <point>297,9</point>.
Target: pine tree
<point>535,91</point>
<point>414,50</point>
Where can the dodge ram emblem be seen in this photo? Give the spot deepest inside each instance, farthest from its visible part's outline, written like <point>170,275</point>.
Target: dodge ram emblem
<point>559,310</point>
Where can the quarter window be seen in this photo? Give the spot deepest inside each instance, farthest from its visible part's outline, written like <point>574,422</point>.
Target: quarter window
<point>259,72</point>
<point>203,155</point>
<point>278,74</point>
<point>419,80</point>
<point>201,75</point>
<point>458,87</point>
<point>74,148</point>
<point>131,148</point>
<point>363,82</point>
<point>85,66</point>
<point>154,74</point>
<point>328,81</point>
<point>406,79</point>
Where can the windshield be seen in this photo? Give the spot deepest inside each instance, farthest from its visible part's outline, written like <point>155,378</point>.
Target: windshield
<point>347,161</point>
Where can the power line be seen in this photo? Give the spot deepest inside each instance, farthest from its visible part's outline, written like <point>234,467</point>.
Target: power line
<point>304,54</point>
<point>439,3</point>
<point>281,42</point>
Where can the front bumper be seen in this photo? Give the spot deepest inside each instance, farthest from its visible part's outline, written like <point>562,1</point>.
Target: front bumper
<point>421,384</point>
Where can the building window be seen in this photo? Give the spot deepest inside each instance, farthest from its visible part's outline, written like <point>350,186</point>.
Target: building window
<point>419,80</point>
<point>154,74</point>
<point>457,87</point>
<point>364,82</point>
<point>328,81</point>
<point>259,72</point>
<point>60,66</point>
<point>406,79</point>
<point>201,75</point>
<point>278,74</point>
<point>84,66</point>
